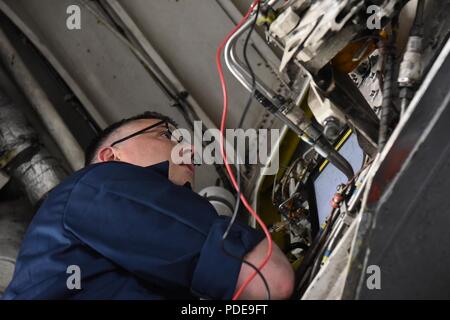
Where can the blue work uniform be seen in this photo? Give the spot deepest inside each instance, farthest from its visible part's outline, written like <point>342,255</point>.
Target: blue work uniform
<point>129,233</point>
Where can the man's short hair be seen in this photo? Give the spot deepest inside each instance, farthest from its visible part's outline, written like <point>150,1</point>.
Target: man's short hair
<point>97,142</point>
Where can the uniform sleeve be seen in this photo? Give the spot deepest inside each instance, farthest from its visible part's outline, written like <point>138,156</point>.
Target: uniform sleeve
<point>220,264</point>
<point>162,233</point>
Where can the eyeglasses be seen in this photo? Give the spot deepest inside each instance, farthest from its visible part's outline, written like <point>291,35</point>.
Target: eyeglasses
<point>168,133</point>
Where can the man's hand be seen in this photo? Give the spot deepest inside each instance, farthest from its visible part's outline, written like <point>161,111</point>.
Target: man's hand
<point>278,273</point>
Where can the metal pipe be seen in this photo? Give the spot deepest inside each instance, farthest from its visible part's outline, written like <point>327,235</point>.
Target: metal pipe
<point>227,54</point>
<point>388,111</point>
<point>257,42</point>
<point>268,99</point>
<point>237,68</point>
<point>239,65</point>
<point>40,102</point>
<point>314,138</point>
<point>242,67</point>
<point>341,163</point>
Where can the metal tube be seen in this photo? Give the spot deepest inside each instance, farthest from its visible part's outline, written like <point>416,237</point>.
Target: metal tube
<point>258,42</point>
<point>267,98</point>
<point>271,3</point>
<point>40,102</point>
<point>247,77</point>
<point>341,163</point>
<point>236,66</point>
<point>227,55</point>
<point>320,145</point>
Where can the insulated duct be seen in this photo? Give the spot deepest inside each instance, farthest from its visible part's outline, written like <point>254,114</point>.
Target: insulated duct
<point>41,103</point>
<point>22,156</point>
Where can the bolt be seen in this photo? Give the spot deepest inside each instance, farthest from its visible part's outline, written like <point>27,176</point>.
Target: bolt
<point>331,128</point>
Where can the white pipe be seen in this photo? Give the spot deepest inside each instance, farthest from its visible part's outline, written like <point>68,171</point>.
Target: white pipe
<point>68,78</point>
<point>41,104</point>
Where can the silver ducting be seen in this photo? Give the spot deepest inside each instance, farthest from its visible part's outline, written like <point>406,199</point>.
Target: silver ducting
<point>24,159</point>
<point>22,156</point>
<point>39,175</point>
<point>41,103</point>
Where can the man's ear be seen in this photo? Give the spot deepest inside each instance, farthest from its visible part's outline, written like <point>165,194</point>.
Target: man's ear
<point>107,154</point>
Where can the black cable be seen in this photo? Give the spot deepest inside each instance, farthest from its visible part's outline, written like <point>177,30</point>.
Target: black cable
<point>254,93</point>
<point>238,173</point>
<point>387,109</point>
<point>250,69</point>
<point>225,235</point>
<point>419,19</point>
<point>319,256</point>
<point>303,272</point>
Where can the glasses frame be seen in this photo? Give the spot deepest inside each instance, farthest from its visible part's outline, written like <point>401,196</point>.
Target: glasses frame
<point>144,130</point>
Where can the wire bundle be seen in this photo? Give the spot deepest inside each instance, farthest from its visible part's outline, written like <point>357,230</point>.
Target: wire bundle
<point>236,184</point>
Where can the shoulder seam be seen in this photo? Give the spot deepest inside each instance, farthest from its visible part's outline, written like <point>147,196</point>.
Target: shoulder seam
<point>70,196</point>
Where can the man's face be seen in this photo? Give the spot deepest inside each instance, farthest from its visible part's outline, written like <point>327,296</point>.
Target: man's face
<point>151,147</point>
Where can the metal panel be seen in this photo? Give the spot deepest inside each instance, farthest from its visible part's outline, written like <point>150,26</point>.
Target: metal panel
<point>405,224</point>
<point>186,34</point>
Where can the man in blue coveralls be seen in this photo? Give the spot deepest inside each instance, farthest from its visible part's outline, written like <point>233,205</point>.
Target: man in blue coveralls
<point>133,228</point>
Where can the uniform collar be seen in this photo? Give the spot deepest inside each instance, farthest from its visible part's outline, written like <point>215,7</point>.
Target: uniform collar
<point>163,169</point>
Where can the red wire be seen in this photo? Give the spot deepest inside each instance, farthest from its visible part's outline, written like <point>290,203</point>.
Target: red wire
<point>222,150</point>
